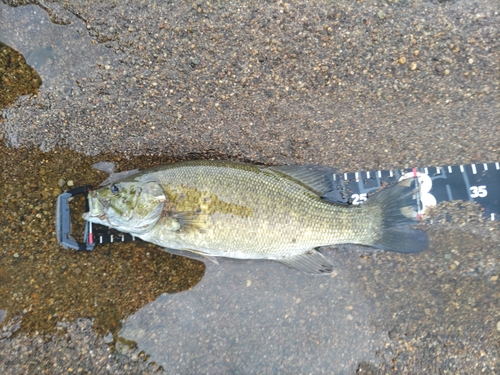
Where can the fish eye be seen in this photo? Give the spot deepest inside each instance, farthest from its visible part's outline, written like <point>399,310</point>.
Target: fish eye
<point>114,189</point>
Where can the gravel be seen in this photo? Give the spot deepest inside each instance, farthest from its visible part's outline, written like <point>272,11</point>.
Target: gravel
<point>75,348</point>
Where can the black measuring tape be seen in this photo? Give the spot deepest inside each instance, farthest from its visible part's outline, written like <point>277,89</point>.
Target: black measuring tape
<point>478,183</point>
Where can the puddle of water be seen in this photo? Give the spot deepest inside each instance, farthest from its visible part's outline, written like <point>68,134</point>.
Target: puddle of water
<point>17,78</point>
<point>45,283</point>
<point>61,54</point>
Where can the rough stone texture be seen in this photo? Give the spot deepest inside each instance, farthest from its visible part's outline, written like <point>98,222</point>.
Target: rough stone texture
<point>354,85</point>
<point>75,349</point>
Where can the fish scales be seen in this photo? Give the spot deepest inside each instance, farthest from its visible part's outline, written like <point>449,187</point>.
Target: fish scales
<point>279,217</point>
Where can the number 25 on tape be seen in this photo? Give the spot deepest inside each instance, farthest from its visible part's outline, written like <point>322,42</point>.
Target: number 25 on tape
<point>359,198</point>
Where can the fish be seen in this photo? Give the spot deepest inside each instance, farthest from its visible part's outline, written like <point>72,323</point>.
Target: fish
<point>245,211</point>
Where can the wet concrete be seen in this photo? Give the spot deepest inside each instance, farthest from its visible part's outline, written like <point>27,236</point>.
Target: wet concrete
<point>356,86</point>
<point>60,52</point>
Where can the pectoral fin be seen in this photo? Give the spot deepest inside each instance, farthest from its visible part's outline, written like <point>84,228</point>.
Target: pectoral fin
<point>186,222</point>
<point>312,261</point>
<point>190,221</point>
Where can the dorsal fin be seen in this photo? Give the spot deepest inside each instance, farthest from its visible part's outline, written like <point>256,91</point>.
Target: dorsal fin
<point>317,178</point>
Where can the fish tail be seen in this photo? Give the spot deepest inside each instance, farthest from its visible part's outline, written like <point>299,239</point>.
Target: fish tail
<point>395,232</point>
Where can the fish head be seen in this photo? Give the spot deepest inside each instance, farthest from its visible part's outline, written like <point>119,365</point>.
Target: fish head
<point>128,206</point>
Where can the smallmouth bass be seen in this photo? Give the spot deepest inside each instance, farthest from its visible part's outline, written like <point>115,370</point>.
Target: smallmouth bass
<point>244,211</point>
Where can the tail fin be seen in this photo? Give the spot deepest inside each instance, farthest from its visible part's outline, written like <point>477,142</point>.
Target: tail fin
<point>396,233</point>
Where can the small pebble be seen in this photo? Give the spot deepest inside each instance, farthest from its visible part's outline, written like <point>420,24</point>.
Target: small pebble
<point>413,66</point>
<point>498,325</point>
<point>71,183</point>
<point>16,255</point>
<point>108,339</point>
<point>402,60</point>
<point>122,348</point>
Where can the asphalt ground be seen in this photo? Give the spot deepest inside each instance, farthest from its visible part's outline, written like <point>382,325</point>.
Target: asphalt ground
<point>354,85</point>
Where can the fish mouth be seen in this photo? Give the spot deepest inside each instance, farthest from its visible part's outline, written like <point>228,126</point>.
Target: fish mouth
<point>97,208</point>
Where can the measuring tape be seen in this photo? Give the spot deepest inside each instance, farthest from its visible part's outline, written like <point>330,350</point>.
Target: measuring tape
<point>478,183</point>
<point>475,182</point>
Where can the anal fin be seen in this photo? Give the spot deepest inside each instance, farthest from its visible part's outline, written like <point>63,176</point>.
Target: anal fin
<point>312,261</point>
